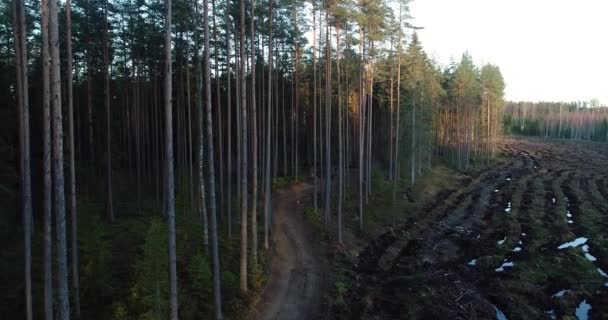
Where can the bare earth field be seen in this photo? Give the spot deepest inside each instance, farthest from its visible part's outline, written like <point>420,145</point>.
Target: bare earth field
<point>524,239</point>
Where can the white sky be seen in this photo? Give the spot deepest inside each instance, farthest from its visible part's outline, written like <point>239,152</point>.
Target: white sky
<point>551,50</point>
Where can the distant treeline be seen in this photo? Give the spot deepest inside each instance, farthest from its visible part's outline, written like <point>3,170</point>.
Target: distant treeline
<point>574,120</point>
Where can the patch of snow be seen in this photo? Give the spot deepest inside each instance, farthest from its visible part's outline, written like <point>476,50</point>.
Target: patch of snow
<point>587,254</point>
<point>507,264</point>
<point>582,311</point>
<point>602,273</point>
<point>472,262</point>
<point>590,257</point>
<point>500,242</point>
<point>517,249</point>
<point>574,243</point>
<point>560,293</point>
<point>499,314</point>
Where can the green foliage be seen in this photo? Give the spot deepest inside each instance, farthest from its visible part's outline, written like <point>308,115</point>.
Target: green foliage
<point>151,290</point>
<point>95,263</point>
<point>256,273</point>
<point>201,276</point>
<point>342,283</point>
<point>120,312</point>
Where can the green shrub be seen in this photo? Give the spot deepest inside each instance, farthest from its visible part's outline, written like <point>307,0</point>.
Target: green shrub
<point>151,290</point>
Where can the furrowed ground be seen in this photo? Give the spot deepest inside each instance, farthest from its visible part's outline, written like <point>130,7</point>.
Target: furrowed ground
<point>524,239</point>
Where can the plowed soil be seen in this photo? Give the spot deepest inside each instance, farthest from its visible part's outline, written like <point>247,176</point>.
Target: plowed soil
<point>491,247</point>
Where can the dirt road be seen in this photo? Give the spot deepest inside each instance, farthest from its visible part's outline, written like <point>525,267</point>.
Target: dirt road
<point>296,285</point>
<point>500,244</point>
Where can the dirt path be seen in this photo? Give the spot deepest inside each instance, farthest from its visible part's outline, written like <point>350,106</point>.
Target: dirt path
<point>296,285</point>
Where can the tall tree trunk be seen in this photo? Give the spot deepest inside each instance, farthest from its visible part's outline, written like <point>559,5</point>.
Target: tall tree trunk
<point>46,124</point>
<point>267,194</point>
<point>413,145</point>
<point>254,169</point>
<point>244,155</point>
<point>391,111</point>
<point>229,122</point>
<point>297,102</point>
<point>340,142</point>
<point>219,113</point>
<point>72,189</point>
<point>90,113</point>
<point>327,120</point>
<point>239,136</point>
<point>106,58</point>
<point>62,268</point>
<point>314,104</point>
<point>284,131</point>
<point>361,126</point>
<point>215,259</point>
<point>397,122</point>
<point>201,143</point>
<point>170,187</point>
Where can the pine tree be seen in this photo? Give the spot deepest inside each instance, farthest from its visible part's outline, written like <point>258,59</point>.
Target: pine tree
<point>170,187</point>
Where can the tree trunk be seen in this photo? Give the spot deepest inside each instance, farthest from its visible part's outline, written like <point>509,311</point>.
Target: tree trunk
<point>72,189</point>
<point>219,112</point>
<point>397,124</point>
<point>214,241</point>
<point>340,142</point>
<point>229,122</point>
<point>244,155</point>
<point>254,169</point>
<point>314,104</point>
<point>327,120</point>
<point>201,144</point>
<point>62,268</point>
<point>170,187</point>
<point>46,97</point>
<point>361,126</point>
<point>46,124</point>
<point>106,58</point>
<point>267,194</point>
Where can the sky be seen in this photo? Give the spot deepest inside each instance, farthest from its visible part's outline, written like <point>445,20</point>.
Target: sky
<point>547,50</point>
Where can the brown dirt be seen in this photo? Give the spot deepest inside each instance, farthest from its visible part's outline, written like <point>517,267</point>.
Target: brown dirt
<point>420,270</point>
<point>298,271</point>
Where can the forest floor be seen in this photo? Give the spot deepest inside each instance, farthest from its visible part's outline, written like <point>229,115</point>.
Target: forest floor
<point>298,267</point>
<point>526,238</point>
